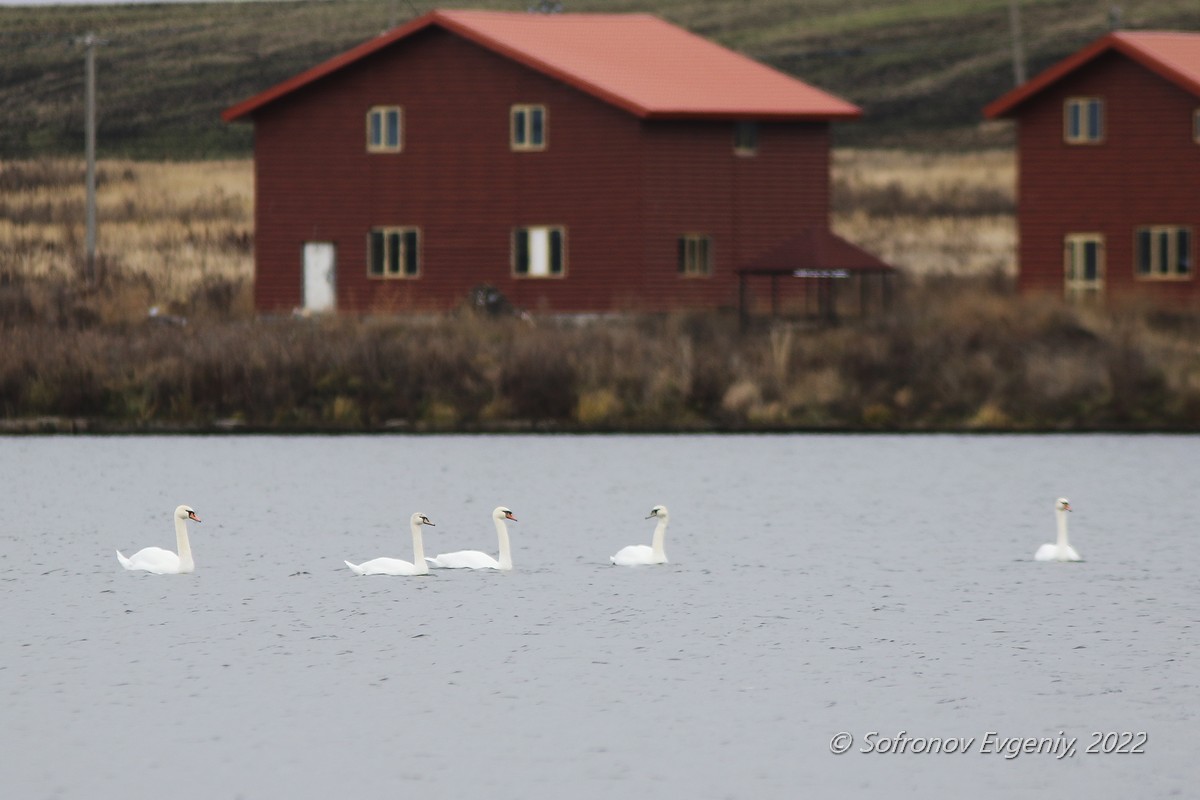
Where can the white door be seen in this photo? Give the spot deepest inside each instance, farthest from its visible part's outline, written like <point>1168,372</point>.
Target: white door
<point>320,262</point>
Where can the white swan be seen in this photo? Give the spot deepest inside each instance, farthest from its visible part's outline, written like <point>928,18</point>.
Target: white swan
<point>398,566</point>
<point>164,562</point>
<point>1060,550</point>
<point>638,554</point>
<point>475,559</point>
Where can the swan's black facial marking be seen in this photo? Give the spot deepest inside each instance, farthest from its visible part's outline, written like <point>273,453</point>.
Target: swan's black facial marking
<point>425,521</point>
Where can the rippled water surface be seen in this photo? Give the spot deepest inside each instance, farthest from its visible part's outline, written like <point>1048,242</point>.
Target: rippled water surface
<point>818,584</point>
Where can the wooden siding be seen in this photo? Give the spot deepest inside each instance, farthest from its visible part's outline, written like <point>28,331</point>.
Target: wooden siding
<point>624,189</point>
<point>1146,172</point>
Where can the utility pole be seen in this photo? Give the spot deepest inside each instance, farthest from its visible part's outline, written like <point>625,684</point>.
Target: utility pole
<point>1018,52</point>
<point>90,41</point>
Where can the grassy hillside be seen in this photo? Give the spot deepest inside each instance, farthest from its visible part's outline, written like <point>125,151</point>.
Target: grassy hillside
<point>922,69</point>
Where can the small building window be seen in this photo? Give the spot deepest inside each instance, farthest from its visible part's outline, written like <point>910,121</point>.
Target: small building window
<point>528,127</point>
<point>695,255</point>
<point>1163,251</point>
<point>394,253</point>
<point>1083,265</point>
<point>383,129</point>
<point>745,138</point>
<point>1083,120</point>
<point>539,252</point>
<point>1196,126</point>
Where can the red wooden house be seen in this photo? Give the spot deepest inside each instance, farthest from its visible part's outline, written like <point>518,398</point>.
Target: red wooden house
<point>1108,149</point>
<point>575,162</point>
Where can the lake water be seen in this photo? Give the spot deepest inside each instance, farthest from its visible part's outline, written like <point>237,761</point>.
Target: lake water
<point>818,584</point>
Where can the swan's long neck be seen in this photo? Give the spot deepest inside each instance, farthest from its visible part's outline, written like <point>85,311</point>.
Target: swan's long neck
<point>419,550</point>
<point>505,549</point>
<point>184,546</point>
<point>1063,544</point>
<point>660,535</point>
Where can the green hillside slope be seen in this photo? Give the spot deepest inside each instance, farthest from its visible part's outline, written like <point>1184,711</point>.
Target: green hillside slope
<point>922,69</point>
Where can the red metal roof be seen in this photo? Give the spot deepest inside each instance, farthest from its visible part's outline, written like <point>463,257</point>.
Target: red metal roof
<point>817,249</point>
<point>1175,56</point>
<point>637,62</point>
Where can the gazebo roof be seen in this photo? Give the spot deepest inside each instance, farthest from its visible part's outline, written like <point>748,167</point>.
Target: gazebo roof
<point>816,252</point>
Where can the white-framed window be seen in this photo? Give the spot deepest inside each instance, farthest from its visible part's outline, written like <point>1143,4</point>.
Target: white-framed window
<point>1083,265</point>
<point>1083,120</point>
<point>539,251</point>
<point>1162,252</point>
<point>394,253</point>
<point>695,255</point>
<point>745,138</point>
<point>384,129</point>
<point>528,127</point>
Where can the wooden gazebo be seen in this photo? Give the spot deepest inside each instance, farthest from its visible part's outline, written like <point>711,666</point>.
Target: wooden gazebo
<point>821,260</point>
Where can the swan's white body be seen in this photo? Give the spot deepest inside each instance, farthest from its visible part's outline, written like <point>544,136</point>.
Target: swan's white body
<point>163,562</point>
<point>636,555</point>
<point>1060,550</point>
<point>398,566</point>
<point>476,559</point>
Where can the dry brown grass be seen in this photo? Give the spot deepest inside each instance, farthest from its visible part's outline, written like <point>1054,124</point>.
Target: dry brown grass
<point>929,214</point>
<point>166,233</point>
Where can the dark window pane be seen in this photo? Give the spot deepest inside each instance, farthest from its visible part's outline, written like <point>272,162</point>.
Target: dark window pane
<point>393,128</point>
<point>537,126</point>
<point>521,251</point>
<point>376,133</point>
<point>1183,242</point>
<point>393,253</point>
<point>410,253</point>
<point>1095,119</point>
<point>1143,251</point>
<point>1162,248</point>
<point>1091,261</point>
<point>556,252</point>
<point>1073,120</point>
<point>746,136</point>
<point>518,132</point>
<point>375,260</point>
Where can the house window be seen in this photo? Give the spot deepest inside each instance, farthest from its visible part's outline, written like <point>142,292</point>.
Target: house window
<point>745,138</point>
<point>1196,126</point>
<point>1083,264</point>
<point>1083,120</point>
<point>383,129</point>
<point>528,127</point>
<point>539,252</point>
<point>1163,251</point>
<point>394,253</point>
<point>695,255</point>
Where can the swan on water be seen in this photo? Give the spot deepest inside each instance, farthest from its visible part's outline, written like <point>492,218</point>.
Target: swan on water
<point>639,554</point>
<point>398,566</point>
<point>476,559</point>
<point>1060,550</point>
<point>164,562</point>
